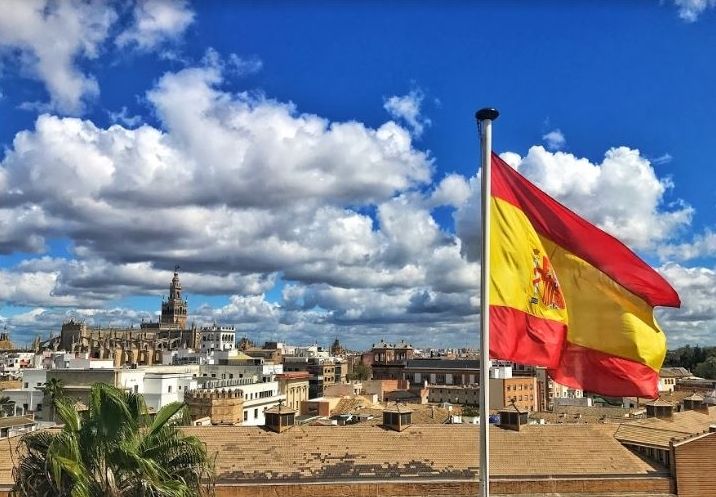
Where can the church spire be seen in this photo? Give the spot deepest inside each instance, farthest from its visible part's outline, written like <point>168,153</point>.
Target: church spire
<point>174,310</point>
<point>175,286</point>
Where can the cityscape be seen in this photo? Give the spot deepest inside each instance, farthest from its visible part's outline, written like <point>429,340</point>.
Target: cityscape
<point>277,249</point>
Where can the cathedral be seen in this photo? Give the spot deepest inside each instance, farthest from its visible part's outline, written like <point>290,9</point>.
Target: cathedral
<point>141,346</point>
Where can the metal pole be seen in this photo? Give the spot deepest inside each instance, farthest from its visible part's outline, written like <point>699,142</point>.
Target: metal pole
<point>484,121</point>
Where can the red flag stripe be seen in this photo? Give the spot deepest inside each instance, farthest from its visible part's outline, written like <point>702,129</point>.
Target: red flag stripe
<point>576,235</point>
<point>524,338</point>
<point>593,371</point>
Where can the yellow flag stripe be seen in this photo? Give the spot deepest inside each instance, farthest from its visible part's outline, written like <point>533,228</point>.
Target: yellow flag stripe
<point>512,241</point>
<point>603,315</point>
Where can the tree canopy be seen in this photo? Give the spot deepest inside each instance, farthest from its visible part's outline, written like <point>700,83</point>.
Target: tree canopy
<point>114,449</point>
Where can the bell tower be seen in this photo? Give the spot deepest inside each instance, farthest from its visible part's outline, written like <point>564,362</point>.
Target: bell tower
<point>174,310</point>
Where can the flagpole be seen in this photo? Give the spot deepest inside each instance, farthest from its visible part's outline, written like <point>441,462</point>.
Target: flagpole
<point>484,123</point>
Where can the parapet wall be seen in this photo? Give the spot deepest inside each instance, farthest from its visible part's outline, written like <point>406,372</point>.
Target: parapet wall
<point>222,406</point>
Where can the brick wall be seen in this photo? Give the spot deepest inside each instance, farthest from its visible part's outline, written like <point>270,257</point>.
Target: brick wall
<point>455,488</point>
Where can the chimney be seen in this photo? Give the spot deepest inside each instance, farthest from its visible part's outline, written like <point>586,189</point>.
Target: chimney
<point>397,418</point>
<point>512,418</point>
<point>659,409</point>
<point>280,418</point>
<point>695,402</point>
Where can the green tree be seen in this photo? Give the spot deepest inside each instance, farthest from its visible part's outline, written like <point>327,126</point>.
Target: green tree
<point>361,372</point>
<point>55,390</point>
<point>706,369</point>
<point>114,449</point>
<point>7,407</point>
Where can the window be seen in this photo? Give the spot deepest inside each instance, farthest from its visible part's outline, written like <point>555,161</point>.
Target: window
<point>256,413</point>
<point>246,415</point>
<point>231,376</point>
<point>169,389</point>
<point>39,407</point>
<point>27,385</point>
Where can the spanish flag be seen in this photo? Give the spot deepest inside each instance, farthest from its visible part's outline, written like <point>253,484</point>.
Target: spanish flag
<point>566,295</point>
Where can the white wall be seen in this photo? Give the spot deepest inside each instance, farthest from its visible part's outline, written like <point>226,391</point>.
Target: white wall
<point>255,404</point>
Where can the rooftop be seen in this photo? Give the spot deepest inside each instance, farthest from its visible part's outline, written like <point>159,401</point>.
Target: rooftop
<point>10,421</point>
<point>659,432</point>
<point>312,453</point>
<point>675,372</point>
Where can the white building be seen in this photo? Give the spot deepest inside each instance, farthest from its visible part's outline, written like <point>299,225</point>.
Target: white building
<point>12,362</point>
<point>257,398</point>
<point>28,398</point>
<point>217,338</point>
<point>166,384</point>
<point>258,395</point>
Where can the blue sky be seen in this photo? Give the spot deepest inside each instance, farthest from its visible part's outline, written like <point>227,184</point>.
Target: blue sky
<point>309,166</point>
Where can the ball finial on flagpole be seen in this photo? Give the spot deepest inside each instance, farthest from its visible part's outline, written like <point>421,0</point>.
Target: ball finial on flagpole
<point>487,113</point>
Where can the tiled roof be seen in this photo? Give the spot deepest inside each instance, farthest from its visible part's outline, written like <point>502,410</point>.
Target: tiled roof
<point>688,421</point>
<point>15,421</point>
<point>280,409</point>
<point>647,435</point>
<point>674,372</point>
<point>656,431</point>
<point>421,414</point>
<point>365,452</point>
<point>316,453</point>
<point>594,414</point>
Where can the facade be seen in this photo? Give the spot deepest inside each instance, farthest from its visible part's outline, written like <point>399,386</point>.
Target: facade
<point>257,396</point>
<point>217,338</point>
<point>384,353</point>
<point>168,384</point>
<point>455,394</point>
<point>29,398</point>
<point>431,371</point>
<point>294,386</point>
<point>518,391</point>
<point>322,372</point>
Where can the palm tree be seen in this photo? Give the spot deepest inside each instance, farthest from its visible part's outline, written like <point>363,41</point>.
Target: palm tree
<point>54,389</point>
<point>114,449</point>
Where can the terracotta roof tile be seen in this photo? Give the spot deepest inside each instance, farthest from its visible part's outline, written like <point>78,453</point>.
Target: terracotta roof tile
<point>361,451</point>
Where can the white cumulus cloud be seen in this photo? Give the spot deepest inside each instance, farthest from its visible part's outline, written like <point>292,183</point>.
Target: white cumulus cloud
<point>408,109</point>
<point>48,37</point>
<point>690,10</point>
<point>554,140</point>
<point>155,22</point>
